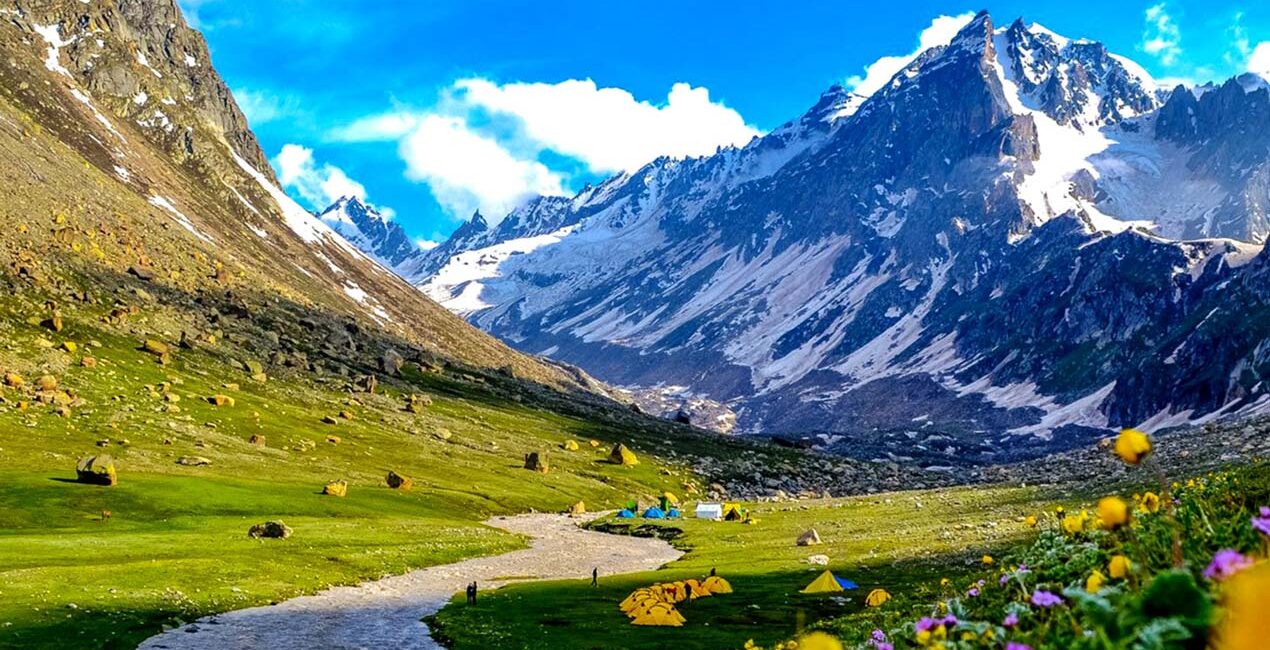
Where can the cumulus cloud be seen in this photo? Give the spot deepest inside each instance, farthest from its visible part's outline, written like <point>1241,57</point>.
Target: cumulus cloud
<point>482,145</point>
<point>1161,37</point>
<point>940,32</point>
<point>318,185</point>
<point>426,244</point>
<point>607,128</point>
<point>468,171</point>
<point>1259,60</point>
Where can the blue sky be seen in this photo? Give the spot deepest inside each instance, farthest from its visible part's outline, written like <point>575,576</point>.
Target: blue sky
<point>435,108</point>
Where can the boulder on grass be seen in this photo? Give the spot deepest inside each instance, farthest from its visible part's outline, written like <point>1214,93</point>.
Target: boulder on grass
<point>398,482</point>
<point>622,456</point>
<point>336,488</point>
<point>809,538</point>
<point>390,363</point>
<point>269,529</point>
<point>578,508</point>
<point>96,470</point>
<point>221,400</point>
<point>569,445</point>
<point>537,461</point>
<point>193,461</point>
<point>257,440</point>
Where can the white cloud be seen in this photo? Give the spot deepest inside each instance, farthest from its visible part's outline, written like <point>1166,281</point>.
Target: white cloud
<point>940,32</point>
<point>607,128</point>
<point>1161,37</point>
<point>426,244</point>
<point>1259,61</point>
<point>317,185</point>
<point>481,146</point>
<point>261,107</point>
<point>467,171</point>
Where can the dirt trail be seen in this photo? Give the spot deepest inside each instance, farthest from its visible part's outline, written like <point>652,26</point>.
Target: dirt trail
<point>385,613</point>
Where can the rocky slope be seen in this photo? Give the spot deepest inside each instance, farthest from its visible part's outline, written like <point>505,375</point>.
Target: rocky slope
<point>1017,243</point>
<point>123,151</point>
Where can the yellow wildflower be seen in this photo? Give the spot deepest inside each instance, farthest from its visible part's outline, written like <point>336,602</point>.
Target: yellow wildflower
<point>877,598</point>
<point>987,560</point>
<point>1119,567</point>
<point>819,641</point>
<point>1113,512</point>
<point>1132,446</point>
<point>1245,598</point>
<point>1075,523</point>
<point>1030,520</point>
<point>1151,502</point>
<point>1093,584</point>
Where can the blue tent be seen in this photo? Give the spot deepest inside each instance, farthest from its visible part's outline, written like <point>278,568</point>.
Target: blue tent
<point>654,513</point>
<point>673,514</point>
<point>626,514</point>
<point>846,584</point>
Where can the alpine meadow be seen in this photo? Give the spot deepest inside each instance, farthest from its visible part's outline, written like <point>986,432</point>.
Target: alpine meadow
<point>726,326</point>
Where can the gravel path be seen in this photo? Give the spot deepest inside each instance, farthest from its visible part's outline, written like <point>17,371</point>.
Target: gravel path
<point>385,613</point>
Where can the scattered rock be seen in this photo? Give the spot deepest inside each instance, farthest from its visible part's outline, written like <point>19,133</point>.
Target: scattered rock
<point>193,461</point>
<point>156,347</point>
<point>537,461</point>
<point>270,530</point>
<point>818,560</point>
<point>96,470</point>
<point>622,456</point>
<point>569,445</point>
<point>416,403</point>
<point>809,538</point>
<point>329,419</point>
<point>335,440</point>
<point>88,362</point>
<point>257,440</point>
<point>347,415</point>
<point>398,482</point>
<point>13,380</point>
<point>220,400</point>
<point>390,363</point>
<point>46,383</point>
<point>141,273</point>
<point>336,488</point>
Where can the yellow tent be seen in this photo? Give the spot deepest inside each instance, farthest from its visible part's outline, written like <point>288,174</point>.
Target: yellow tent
<point>671,498</point>
<point>660,615</point>
<point>570,445</point>
<point>732,512</point>
<point>717,585</point>
<point>826,583</point>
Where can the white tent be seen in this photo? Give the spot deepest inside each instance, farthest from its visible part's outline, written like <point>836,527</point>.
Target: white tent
<point>709,511</point>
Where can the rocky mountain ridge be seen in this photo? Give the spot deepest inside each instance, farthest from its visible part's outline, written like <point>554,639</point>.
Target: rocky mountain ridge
<point>1020,239</point>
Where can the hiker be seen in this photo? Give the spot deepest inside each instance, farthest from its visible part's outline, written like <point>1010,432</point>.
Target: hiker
<point>595,577</point>
<point>687,591</point>
<point>712,573</point>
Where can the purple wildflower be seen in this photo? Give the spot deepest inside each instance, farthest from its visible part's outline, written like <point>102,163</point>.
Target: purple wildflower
<point>1046,599</point>
<point>1004,579</point>
<point>1015,645</point>
<point>926,624</point>
<point>879,642</point>
<point>1226,563</point>
<point>1011,620</point>
<point>950,621</point>
<point>1262,523</point>
<point>973,593</point>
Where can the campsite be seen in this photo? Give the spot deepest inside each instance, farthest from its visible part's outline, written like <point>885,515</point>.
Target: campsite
<point>873,540</point>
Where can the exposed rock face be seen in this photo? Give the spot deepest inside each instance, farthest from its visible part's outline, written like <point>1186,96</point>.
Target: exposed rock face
<point>961,258</point>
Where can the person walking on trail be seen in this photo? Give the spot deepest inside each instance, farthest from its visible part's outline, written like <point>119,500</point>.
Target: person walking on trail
<point>711,572</point>
<point>595,577</point>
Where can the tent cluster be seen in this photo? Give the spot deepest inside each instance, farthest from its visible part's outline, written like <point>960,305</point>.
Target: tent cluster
<point>724,511</point>
<point>667,508</point>
<point>655,605</point>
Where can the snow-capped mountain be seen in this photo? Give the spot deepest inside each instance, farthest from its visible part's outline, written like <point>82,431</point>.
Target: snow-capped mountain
<point>1019,238</point>
<point>373,232</point>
